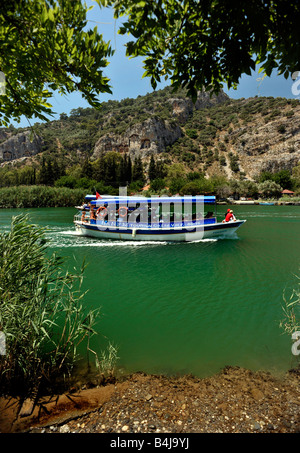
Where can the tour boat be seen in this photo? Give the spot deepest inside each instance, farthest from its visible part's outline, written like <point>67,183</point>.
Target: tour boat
<point>136,218</point>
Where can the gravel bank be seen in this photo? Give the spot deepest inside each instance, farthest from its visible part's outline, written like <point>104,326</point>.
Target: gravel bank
<point>233,401</point>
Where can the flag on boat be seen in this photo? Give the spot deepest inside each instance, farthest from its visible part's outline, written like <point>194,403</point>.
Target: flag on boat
<point>98,195</point>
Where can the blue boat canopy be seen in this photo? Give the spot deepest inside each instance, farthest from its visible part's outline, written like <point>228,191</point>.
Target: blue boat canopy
<point>210,199</point>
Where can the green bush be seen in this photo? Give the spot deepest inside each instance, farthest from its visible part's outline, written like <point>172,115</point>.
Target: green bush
<point>158,184</point>
<point>197,187</point>
<point>192,133</point>
<point>66,181</point>
<point>281,129</point>
<point>269,189</point>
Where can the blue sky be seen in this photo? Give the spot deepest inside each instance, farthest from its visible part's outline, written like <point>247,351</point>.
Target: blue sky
<point>126,74</point>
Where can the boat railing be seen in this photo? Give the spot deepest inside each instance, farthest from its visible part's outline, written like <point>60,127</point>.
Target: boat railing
<point>84,218</point>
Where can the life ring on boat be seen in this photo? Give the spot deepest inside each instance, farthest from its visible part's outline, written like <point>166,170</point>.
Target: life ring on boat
<point>101,212</point>
<point>122,211</point>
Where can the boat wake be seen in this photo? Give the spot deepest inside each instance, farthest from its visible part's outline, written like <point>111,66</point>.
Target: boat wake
<point>204,240</point>
<point>72,238</point>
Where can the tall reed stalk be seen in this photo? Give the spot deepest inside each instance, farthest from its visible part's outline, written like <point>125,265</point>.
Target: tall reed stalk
<point>291,321</point>
<point>42,315</point>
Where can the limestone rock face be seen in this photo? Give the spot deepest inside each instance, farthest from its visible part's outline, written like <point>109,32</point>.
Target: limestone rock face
<point>143,139</point>
<point>153,135</point>
<point>183,107</point>
<point>238,138</point>
<point>19,145</point>
<point>270,147</point>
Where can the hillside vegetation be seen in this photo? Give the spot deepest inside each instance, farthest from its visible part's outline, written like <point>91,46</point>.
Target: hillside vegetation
<point>225,146</point>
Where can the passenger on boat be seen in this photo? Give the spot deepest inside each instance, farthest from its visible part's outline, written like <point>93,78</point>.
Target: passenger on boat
<point>229,216</point>
<point>83,219</point>
<point>92,213</point>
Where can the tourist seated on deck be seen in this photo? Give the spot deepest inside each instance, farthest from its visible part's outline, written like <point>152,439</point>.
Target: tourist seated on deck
<point>92,214</point>
<point>229,216</point>
<point>209,215</point>
<point>83,219</point>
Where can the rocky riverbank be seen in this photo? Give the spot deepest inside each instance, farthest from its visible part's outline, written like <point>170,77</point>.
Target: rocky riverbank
<point>233,401</point>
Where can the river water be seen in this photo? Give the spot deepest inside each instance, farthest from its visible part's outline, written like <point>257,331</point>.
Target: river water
<point>188,307</point>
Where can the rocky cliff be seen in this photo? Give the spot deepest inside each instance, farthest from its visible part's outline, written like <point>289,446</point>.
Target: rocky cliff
<point>238,138</point>
<point>268,149</point>
<point>263,142</point>
<point>16,146</point>
<point>149,137</point>
<point>155,134</point>
<point>182,109</point>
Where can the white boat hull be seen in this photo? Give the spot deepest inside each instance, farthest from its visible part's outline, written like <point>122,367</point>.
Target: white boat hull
<point>211,231</point>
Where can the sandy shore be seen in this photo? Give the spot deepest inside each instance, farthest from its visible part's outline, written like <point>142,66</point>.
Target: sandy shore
<point>233,401</point>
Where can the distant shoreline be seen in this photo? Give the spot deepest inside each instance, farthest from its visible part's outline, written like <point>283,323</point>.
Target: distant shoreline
<point>260,202</point>
<point>23,197</point>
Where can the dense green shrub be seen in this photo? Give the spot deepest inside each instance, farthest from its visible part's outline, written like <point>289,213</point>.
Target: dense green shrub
<point>282,178</point>
<point>269,189</point>
<point>281,129</point>
<point>234,166</point>
<point>197,187</point>
<point>157,184</point>
<point>192,133</point>
<point>66,181</point>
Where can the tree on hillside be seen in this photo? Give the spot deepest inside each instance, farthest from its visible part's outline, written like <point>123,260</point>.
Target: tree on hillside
<point>296,177</point>
<point>129,170</point>
<point>99,169</point>
<point>269,189</point>
<point>125,171</point>
<point>282,178</point>
<point>138,170</point>
<point>45,48</point>
<point>248,189</point>
<point>46,175</point>
<point>112,162</point>
<point>87,169</point>
<point>203,44</point>
<point>43,176</point>
<point>152,169</point>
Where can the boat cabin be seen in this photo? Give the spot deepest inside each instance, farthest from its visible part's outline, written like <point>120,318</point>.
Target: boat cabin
<point>149,211</point>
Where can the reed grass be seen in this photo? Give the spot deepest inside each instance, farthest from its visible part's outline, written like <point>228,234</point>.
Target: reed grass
<point>40,196</point>
<point>291,320</point>
<point>41,312</point>
<point>106,364</point>
<point>291,310</point>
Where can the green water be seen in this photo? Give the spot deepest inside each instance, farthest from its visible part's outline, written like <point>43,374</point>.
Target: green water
<point>189,307</point>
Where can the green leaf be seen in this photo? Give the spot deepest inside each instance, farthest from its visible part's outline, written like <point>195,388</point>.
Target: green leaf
<point>51,15</point>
